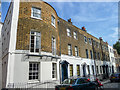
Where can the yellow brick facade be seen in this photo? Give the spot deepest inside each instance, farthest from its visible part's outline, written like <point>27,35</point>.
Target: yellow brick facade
<point>26,23</point>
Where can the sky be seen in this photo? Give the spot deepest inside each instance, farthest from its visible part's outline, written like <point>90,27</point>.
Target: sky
<point>99,18</point>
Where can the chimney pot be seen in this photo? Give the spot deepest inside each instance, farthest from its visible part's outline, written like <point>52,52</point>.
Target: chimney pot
<point>83,28</point>
<point>100,38</point>
<point>69,20</point>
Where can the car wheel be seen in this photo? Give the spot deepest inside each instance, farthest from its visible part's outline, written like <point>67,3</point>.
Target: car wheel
<point>101,88</point>
<point>111,81</point>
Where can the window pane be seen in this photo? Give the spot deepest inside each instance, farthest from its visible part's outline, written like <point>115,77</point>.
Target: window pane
<point>35,41</point>
<point>36,12</point>
<point>54,70</point>
<point>33,71</point>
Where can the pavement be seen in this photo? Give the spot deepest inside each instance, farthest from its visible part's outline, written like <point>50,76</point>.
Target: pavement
<point>105,81</point>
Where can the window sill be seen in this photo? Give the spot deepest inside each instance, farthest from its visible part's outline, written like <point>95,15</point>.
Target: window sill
<point>36,18</point>
<point>54,78</point>
<point>34,53</point>
<point>76,38</point>
<point>33,81</point>
<point>77,56</point>
<point>69,36</point>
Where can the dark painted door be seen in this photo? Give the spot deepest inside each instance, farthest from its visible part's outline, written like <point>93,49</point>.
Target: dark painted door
<point>64,71</point>
<point>84,71</point>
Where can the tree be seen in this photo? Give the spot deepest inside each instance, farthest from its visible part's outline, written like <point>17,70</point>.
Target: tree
<point>117,47</point>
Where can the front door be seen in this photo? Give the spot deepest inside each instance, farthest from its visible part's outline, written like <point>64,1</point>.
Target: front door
<point>64,71</point>
<point>84,71</point>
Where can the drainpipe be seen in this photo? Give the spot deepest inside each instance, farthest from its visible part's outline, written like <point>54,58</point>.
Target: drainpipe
<point>60,51</point>
<point>94,58</point>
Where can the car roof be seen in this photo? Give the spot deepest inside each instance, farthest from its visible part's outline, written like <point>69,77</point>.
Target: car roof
<point>78,78</point>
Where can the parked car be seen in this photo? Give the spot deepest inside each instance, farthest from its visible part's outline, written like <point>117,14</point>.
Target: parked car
<point>77,84</point>
<point>115,77</point>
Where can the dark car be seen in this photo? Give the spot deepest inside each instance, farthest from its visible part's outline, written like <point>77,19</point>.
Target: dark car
<point>115,77</point>
<point>77,84</point>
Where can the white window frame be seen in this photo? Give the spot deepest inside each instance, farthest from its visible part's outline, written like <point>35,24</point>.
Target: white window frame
<point>78,70</point>
<point>71,70</point>
<point>75,34</point>
<point>91,54</point>
<point>31,70</point>
<point>38,12</point>
<point>90,42</point>
<point>68,32</point>
<point>35,41</point>
<point>53,20</point>
<point>76,51</point>
<point>69,49</point>
<point>53,46</point>
<point>54,70</point>
<point>97,44</point>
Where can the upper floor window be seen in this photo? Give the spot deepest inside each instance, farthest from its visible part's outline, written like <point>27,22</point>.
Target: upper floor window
<point>69,49</point>
<point>89,41</point>
<point>35,42</point>
<point>68,32</point>
<point>36,12</point>
<point>103,47</point>
<point>75,34</point>
<point>97,44</point>
<point>91,54</point>
<point>52,20</point>
<point>53,46</point>
<point>94,42</point>
<point>87,53</point>
<point>98,55</point>
<point>76,51</point>
<point>85,39</point>
<point>95,55</point>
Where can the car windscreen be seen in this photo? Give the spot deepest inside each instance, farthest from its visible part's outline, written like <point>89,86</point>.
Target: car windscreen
<point>69,81</point>
<point>81,81</point>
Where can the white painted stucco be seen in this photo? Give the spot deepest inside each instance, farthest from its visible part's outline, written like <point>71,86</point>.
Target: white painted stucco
<point>112,57</point>
<point>0,57</point>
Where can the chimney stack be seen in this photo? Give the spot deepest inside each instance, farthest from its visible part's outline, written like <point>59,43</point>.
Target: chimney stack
<point>69,20</point>
<point>100,38</point>
<point>83,28</point>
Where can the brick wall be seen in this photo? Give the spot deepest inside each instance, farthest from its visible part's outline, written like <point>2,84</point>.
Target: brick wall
<point>43,25</point>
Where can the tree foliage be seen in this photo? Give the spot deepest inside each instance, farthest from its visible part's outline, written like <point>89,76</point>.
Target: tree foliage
<point>117,46</point>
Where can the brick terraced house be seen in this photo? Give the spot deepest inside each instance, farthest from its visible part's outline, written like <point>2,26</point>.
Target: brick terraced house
<point>38,46</point>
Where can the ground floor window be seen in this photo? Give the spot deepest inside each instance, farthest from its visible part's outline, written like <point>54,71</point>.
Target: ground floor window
<point>71,70</point>
<point>93,69</point>
<point>101,69</point>
<point>33,71</point>
<point>78,70</point>
<point>97,69</point>
<point>88,69</point>
<point>54,70</point>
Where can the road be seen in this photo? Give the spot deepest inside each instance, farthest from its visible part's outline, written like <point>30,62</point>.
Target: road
<point>113,86</point>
